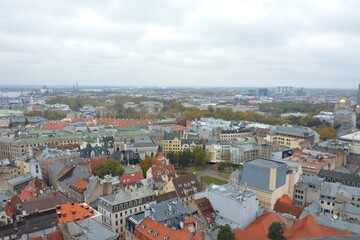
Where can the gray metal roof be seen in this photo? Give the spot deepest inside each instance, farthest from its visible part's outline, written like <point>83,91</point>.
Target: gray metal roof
<point>20,179</point>
<point>89,228</point>
<point>126,196</point>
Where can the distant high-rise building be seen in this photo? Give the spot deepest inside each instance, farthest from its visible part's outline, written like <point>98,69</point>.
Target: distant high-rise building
<point>300,92</point>
<point>284,90</point>
<point>251,92</point>
<point>77,86</point>
<point>263,92</point>
<point>358,97</point>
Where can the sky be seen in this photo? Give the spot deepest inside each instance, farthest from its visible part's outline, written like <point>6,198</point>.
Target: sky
<point>239,43</point>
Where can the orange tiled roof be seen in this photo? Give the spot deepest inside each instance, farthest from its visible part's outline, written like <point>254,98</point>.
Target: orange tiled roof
<point>243,235</point>
<point>70,212</point>
<point>150,229</point>
<point>259,228</point>
<point>309,228</point>
<point>285,199</point>
<point>54,126</point>
<point>283,207</point>
<point>190,220</point>
<point>80,185</point>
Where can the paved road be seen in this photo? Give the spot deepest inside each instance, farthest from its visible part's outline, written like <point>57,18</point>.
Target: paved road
<point>208,171</point>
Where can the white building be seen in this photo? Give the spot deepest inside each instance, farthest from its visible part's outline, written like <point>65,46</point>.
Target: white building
<point>241,208</point>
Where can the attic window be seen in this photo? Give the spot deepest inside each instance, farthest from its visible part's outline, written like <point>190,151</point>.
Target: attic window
<point>156,234</point>
<point>166,237</point>
<point>143,226</point>
<point>150,230</point>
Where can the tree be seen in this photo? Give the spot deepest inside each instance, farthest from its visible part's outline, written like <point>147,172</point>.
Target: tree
<point>146,164</point>
<point>199,156</point>
<point>185,158</point>
<point>276,231</point>
<point>326,133</point>
<point>111,166</point>
<point>225,233</point>
<point>173,157</point>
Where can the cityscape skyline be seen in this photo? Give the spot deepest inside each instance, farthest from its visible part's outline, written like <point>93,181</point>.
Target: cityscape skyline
<point>232,43</point>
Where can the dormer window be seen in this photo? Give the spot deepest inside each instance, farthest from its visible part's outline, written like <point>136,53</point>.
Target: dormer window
<point>150,230</point>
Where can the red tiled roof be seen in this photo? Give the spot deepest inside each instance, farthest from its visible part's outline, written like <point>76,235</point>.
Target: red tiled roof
<point>160,159</point>
<point>56,235</point>
<point>309,228</point>
<point>27,193</point>
<point>150,229</point>
<point>283,207</point>
<point>178,128</point>
<point>15,200</point>
<point>10,209</point>
<point>54,126</point>
<point>70,212</point>
<point>206,209</point>
<point>131,178</point>
<point>125,123</point>
<point>80,185</point>
<point>163,169</point>
<point>259,228</point>
<point>285,199</point>
<point>96,163</point>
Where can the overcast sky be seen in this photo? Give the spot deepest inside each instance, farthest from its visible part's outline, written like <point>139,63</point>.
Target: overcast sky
<point>181,43</point>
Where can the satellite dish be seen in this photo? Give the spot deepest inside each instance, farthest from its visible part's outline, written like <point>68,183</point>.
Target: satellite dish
<point>335,216</point>
<point>24,237</point>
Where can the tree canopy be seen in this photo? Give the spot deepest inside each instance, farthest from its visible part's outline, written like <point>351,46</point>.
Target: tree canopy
<point>146,164</point>
<point>111,166</point>
<point>225,233</point>
<point>276,231</point>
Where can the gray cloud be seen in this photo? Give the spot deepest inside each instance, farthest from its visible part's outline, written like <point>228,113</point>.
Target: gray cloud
<point>181,43</point>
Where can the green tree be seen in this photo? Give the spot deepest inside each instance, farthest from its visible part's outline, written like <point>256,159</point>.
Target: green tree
<point>185,158</point>
<point>173,157</point>
<point>326,133</point>
<point>111,166</point>
<point>225,233</point>
<point>223,166</point>
<point>146,164</point>
<point>275,231</point>
<point>199,156</point>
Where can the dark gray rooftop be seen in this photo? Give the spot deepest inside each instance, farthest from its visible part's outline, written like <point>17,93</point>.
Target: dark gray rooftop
<point>261,162</point>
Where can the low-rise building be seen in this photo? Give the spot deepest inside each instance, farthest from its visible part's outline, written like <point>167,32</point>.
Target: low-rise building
<point>185,187</point>
<point>307,190</point>
<point>347,179</point>
<point>270,179</point>
<point>117,207</point>
<point>241,207</point>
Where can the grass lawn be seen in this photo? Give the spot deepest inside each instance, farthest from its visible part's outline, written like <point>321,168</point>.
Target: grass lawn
<point>224,175</point>
<point>209,180</point>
